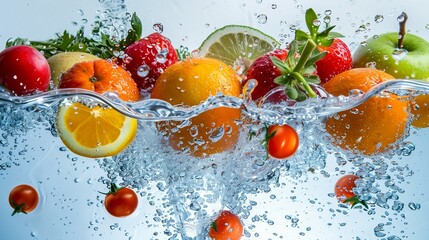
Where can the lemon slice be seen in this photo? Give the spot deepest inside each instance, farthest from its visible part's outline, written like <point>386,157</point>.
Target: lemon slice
<point>237,45</point>
<point>94,132</point>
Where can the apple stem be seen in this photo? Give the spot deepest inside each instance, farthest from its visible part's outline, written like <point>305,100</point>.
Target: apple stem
<point>402,20</point>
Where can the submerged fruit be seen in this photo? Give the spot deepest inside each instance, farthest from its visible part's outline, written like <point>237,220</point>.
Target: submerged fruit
<point>189,83</point>
<point>227,226</point>
<point>373,126</point>
<point>420,111</point>
<point>94,132</point>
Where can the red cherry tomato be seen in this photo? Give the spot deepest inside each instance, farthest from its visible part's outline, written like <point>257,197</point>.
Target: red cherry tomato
<point>344,190</point>
<point>344,187</point>
<point>24,70</point>
<point>23,199</point>
<point>283,141</point>
<point>227,226</point>
<point>120,202</point>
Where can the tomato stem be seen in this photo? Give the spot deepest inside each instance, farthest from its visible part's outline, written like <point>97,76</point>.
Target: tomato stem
<point>113,189</point>
<point>355,201</point>
<point>17,208</point>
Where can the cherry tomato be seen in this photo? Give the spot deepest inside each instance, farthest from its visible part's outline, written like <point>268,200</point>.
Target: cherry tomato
<point>23,199</point>
<point>24,70</point>
<point>282,141</point>
<point>344,187</point>
<point>227,226</point>
<point>120,202</point>
<point>344,190</point>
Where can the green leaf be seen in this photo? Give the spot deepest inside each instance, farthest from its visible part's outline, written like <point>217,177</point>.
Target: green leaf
<point>313,59</point>
<point>301,35</point>
<point>301,96</point>
<point>314,79</point>
<point>280,64</point>
<point>292,52</point>
<point>214,226</point>
<point>310,17</point>
<point>325,32</point>
<point>326,42</point>
<point>291,93</point>
<point>335,35</point>
<point>136,25</point>
<point>281,80</point>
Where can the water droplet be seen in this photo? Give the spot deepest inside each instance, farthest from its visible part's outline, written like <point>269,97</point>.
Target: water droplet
<point>316,22</point>
<point>274,6</point>
<point>414,206</point>
<point>399,54</point>
<point>262,18</point>
<point>401,18</point>
<point>158,27</point>
<point>378,18</point>
<point>161,57</point>
<point>143,70</point>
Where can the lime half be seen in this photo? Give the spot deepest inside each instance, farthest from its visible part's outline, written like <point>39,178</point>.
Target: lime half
<point>237,45</point>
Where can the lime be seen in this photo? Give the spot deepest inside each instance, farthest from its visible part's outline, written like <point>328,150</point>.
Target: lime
<point>237,45</point>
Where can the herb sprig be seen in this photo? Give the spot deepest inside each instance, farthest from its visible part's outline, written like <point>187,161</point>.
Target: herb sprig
<point>105,47</point>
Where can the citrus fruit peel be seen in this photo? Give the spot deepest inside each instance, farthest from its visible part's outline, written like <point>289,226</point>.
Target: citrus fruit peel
<point>237,45</point>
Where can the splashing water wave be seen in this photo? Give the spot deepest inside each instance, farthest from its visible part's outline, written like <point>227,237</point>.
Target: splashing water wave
<point>158,110</point>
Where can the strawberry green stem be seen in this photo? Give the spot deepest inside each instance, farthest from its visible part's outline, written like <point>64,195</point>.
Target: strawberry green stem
<point>305,84</point>
<point>309,47</point>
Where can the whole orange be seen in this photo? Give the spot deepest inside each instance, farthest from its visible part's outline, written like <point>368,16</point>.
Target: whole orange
<point>101,76</point>
<point>373,126</point>
<point>189,83</point>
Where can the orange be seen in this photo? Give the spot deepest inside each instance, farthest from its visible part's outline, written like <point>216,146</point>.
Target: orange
<point>189,83</point>
<point>420,111</point>
<point>96,131</point>
<point>101,76</point>
<point>373,126</point>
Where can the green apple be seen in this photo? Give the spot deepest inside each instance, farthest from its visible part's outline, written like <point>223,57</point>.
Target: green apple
<point>409,62</point>
<point>61,62</point>
<point>402,55</point>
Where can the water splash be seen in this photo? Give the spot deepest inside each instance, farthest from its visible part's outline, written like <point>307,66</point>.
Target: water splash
<point>158,110</point>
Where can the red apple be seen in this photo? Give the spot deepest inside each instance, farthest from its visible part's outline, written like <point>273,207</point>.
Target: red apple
<point>24,70</point>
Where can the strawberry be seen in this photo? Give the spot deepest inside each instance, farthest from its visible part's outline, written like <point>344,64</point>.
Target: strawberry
<point>337,60</point>
<point>338,56</point>
<point>147,58</point>
<point>264,71</point>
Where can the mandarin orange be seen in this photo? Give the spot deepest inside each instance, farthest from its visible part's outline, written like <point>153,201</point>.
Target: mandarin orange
<point>101,76</point>
<point>374,126</point>
<point>189,83</point>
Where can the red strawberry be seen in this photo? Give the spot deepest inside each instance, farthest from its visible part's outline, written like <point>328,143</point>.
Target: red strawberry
<point>147,58</point>
<point>338,57</point>
<point>264,71</point>
<point>337,60</point>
